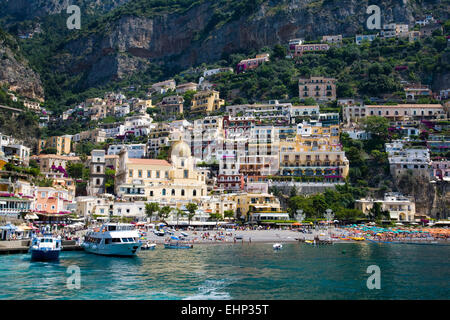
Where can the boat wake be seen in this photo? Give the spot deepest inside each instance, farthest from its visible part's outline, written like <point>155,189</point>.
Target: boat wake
<point>211,290</point>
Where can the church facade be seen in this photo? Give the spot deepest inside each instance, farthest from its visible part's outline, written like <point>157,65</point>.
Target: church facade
<point>160,180</point>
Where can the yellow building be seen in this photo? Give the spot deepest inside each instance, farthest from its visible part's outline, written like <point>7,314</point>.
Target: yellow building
<point>160,180</point>
<point>206,102</point>
<point>314,154</point>
<point>250,203</point>
<point>62,144</point>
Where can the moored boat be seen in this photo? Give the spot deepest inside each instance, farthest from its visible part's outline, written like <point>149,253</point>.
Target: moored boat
<point>148,246</point>
<point>277,246</point>
<point>177,243</point>
<point>46,248</point>
<point>113,239</point>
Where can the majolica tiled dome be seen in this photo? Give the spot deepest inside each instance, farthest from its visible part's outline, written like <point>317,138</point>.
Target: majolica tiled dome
<point>181,149</point>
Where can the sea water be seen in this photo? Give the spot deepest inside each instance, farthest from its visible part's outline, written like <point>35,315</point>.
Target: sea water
<point>236,271</point>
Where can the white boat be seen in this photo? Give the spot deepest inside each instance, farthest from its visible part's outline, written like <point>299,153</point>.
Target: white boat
<point>277,246</point>
<point>148,246</point>
<point>45,248</point>
<point>113,239</point>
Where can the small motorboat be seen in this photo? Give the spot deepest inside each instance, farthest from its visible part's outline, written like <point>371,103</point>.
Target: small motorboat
<point>46,248</point>
<point>344,238</point>
<point>148,246</point>
<point>277,246</point>
<point>159,233</point>
<point>178,245</point>
<point>357,238</point>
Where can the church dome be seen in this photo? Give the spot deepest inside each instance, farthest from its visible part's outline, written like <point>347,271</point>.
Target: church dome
<point>181,149</point>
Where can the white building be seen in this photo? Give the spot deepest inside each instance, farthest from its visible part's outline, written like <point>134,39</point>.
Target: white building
<point>400,208</point>
<point>416,160</point>
<point>359,38</point>
<point>134,150</point>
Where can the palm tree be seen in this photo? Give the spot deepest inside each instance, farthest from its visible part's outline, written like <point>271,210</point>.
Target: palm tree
<point>191,207</point>
<point>151,208</point>
<point>179,213</point>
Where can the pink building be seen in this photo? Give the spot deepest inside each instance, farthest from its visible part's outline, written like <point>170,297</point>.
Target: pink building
<point>308,48</point>
<point>51,200</point>
<point>441,169</point>
<point>249,64</point>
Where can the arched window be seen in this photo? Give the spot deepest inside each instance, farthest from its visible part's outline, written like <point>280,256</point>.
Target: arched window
<point>163,192</point>
<point>173,192</point>
<point>182,163</point>
<point>182,192</point>
<point>98,182</point>
<point>194,193</point>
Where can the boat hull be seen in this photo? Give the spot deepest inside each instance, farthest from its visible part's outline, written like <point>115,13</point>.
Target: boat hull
<point>119,249</point>
<point>45,255</point>
<point>169,246</point>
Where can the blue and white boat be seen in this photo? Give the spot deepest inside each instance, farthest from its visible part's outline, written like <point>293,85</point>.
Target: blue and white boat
<point>46,248</point>
<point>113,239</point>
<point>177,244</point>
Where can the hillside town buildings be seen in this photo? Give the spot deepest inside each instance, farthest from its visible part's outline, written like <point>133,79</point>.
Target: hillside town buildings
<point>318,88</point>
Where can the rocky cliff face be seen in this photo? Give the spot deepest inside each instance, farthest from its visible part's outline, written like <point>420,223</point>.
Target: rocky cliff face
<point>29,9</point>
<point>182,33</point>
<point>15,72</point>
<point>187,38</point>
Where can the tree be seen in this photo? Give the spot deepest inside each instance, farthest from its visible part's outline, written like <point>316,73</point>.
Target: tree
<point>179,213</point>
<point>75,170</point>
<point>377,213</point>
<point>228,214</point>
<point>164,213</point>
<point>376,125</point>
<point>279,51</point>
<point>191,208</point>
<point>110,178</point>
<point>151,208</point>
<point>215,217</point>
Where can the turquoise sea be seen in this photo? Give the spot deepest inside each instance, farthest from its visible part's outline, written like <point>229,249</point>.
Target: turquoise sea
<point>242,271</point>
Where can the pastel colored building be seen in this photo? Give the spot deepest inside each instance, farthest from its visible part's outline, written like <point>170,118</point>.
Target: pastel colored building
<point>249,64</point>
<point>318,88</point>
<point>400,207</point>
<point>184,87</point>
<point>315,153</point>
<point>62,144</point>
<point>301,49</point>
<point>205,102</point>
<point>171,105</point>
<point>154,179</point>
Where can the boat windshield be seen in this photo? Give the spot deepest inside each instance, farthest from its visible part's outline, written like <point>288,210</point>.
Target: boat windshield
<point>47,240</point>
<point>119,228</point>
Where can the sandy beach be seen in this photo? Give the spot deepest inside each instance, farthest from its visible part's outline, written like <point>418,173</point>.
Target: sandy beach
<point>248,236</point>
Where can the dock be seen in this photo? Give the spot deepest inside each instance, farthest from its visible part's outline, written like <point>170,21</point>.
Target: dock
<point>22,246</point>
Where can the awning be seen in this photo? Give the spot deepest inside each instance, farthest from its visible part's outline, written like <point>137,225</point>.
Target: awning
<point>31,216</point>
